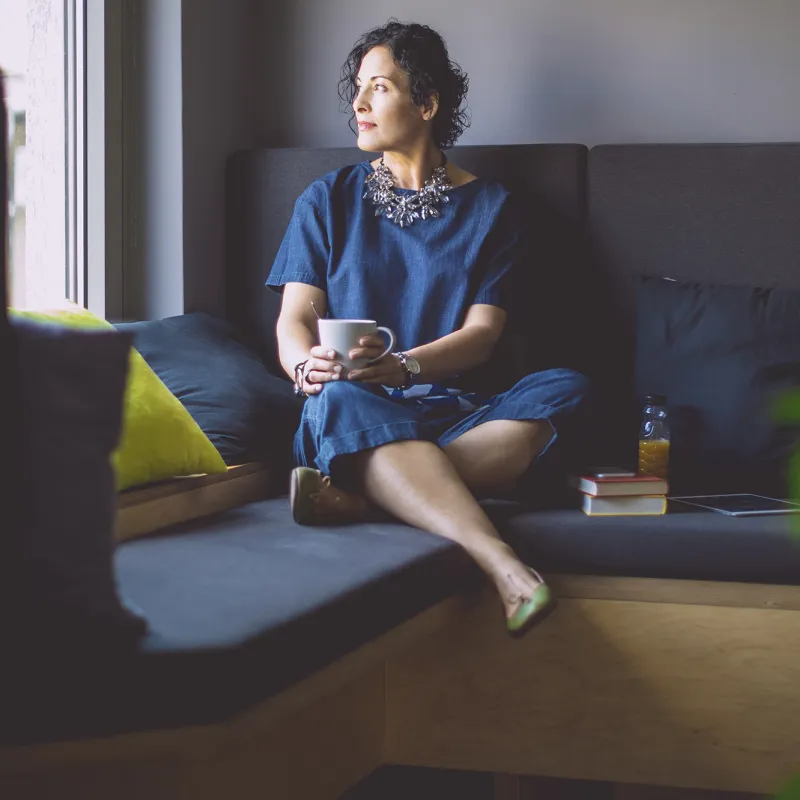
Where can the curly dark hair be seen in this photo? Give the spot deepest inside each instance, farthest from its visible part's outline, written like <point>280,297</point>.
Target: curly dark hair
<point>422,53</point>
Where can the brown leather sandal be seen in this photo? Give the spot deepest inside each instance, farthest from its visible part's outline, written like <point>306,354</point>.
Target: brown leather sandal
<point>314,500</point>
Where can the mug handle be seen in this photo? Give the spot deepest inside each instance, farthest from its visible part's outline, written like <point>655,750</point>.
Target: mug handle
<point>392,341</point>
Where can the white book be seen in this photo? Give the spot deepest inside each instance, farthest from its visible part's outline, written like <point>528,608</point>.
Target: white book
<point>622,486</point>
<point>641,505</point>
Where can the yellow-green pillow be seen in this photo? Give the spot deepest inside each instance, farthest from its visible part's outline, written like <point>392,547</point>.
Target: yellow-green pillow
<point>159,437</point>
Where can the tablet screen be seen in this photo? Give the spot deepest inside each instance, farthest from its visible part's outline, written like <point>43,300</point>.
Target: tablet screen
<point>741,503</point>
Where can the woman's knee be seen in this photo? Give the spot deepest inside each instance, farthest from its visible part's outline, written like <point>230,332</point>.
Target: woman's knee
<point>556,386</point>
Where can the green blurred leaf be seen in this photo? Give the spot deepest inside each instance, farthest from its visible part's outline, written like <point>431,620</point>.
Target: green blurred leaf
<point>791,791</point>
<point>794,490</point>
<point>786,408</point>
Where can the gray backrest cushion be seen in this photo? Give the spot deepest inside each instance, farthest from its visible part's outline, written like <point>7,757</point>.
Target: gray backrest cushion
<point>718,214</point>
<point>261,189</point>
<point>263,185</point>
<point>721,214</point>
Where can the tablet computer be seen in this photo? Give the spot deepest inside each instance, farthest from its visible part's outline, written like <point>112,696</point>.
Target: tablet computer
<point>741,505</point>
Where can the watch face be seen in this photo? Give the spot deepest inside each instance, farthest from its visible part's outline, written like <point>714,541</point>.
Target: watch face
<point>413,365</point>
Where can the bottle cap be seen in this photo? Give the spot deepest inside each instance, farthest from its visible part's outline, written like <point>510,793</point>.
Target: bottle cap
<point>655,399</point>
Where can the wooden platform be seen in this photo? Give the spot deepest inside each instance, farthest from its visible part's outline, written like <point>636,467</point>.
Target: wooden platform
<point>148,509</point>
<point>694,694</point>
<point>664,683</point>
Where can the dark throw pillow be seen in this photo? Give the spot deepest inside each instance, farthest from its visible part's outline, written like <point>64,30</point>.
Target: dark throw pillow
<point>246,411</point>
<point>720,354</point>
<point>70,386</point>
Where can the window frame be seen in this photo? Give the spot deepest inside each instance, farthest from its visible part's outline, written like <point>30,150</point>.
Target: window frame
<point>94,209</point>
<point>75,147</point>
<point>99,263</point>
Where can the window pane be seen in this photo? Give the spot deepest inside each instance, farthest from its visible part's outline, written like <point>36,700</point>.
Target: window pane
<point>33,55</point>
<point>14,62</point>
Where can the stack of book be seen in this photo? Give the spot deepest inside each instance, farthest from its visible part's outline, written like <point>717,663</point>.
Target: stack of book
<point>619,495</point>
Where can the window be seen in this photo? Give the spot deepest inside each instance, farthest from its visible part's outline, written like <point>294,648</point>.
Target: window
<point>13,61</point>
<point>42,54</point>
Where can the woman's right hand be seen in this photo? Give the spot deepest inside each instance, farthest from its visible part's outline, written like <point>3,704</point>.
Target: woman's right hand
<point>320,368</point>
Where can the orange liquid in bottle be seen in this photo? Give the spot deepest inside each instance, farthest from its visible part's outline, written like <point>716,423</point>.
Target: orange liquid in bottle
<point>654,457</point>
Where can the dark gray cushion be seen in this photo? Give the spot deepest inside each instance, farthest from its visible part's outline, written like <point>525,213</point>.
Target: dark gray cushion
<point>684,544</point>
<point>723,214</point>
<point>71,384</point>
<point>721,355</point>
<point>247,412</point>
<point>246,603</point>
<point>63,623</point>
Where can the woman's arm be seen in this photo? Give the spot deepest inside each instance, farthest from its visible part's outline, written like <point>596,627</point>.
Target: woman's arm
<point>297,337</point>
<point>462,350</point>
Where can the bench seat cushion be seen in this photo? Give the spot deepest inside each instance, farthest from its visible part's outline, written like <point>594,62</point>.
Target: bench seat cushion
<point>246,603</point>
<point>682,544</point>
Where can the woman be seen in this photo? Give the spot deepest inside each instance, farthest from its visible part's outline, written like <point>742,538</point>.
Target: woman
<point>426,248</point>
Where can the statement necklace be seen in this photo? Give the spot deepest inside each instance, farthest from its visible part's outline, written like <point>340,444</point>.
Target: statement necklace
<point>404,209</point>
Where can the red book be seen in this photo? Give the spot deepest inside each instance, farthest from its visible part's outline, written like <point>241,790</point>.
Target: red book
<point>619,486</point>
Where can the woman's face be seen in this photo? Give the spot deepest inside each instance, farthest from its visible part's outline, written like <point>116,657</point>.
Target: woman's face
<point>387,118</point>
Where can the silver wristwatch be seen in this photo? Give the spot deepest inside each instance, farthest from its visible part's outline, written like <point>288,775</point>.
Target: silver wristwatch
<point>411,368</point>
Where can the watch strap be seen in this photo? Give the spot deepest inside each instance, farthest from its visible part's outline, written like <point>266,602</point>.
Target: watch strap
<point>401,357</point>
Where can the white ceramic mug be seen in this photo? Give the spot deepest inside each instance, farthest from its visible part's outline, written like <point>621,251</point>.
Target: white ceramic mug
<point>343,335</point>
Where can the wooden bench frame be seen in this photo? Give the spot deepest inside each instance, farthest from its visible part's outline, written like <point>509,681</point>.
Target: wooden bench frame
<point>634,681</point>
<point>147,509</point>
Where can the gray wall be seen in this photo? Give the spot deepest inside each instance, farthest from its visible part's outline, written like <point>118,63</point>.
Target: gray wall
<point>188,85</point>
<point>215,76</point>
<point>586,71</point>
<point>153,171</point>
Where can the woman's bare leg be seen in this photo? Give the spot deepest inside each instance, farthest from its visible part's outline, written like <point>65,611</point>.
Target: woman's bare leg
<point>493,456</point>
<point>416,482</point>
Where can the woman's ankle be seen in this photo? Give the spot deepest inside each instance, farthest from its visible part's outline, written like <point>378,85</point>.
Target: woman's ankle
<point>491,553</point>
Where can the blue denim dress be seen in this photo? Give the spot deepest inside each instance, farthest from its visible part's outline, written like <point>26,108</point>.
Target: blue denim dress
<point>420,281</point>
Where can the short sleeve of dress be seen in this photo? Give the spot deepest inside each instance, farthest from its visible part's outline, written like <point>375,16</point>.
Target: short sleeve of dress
<point>499,257</point>
<point>303,254</point>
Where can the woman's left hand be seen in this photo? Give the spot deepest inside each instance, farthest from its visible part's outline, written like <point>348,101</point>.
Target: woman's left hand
<point>387,371</point>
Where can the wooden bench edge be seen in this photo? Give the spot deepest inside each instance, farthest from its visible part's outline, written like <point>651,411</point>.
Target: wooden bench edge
<point>151,508</point>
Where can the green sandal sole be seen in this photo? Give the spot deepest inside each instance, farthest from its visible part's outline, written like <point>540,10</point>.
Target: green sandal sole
<point>532,612</point>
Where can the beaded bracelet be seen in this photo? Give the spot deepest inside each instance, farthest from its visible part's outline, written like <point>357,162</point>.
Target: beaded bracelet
<point>299,377</point>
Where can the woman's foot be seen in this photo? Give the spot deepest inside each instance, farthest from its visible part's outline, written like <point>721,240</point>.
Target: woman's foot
<point>314,500</point>
<point>526,598</point>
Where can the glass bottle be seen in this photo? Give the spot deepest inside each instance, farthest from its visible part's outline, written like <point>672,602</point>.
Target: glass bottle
<point>654,437</point>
